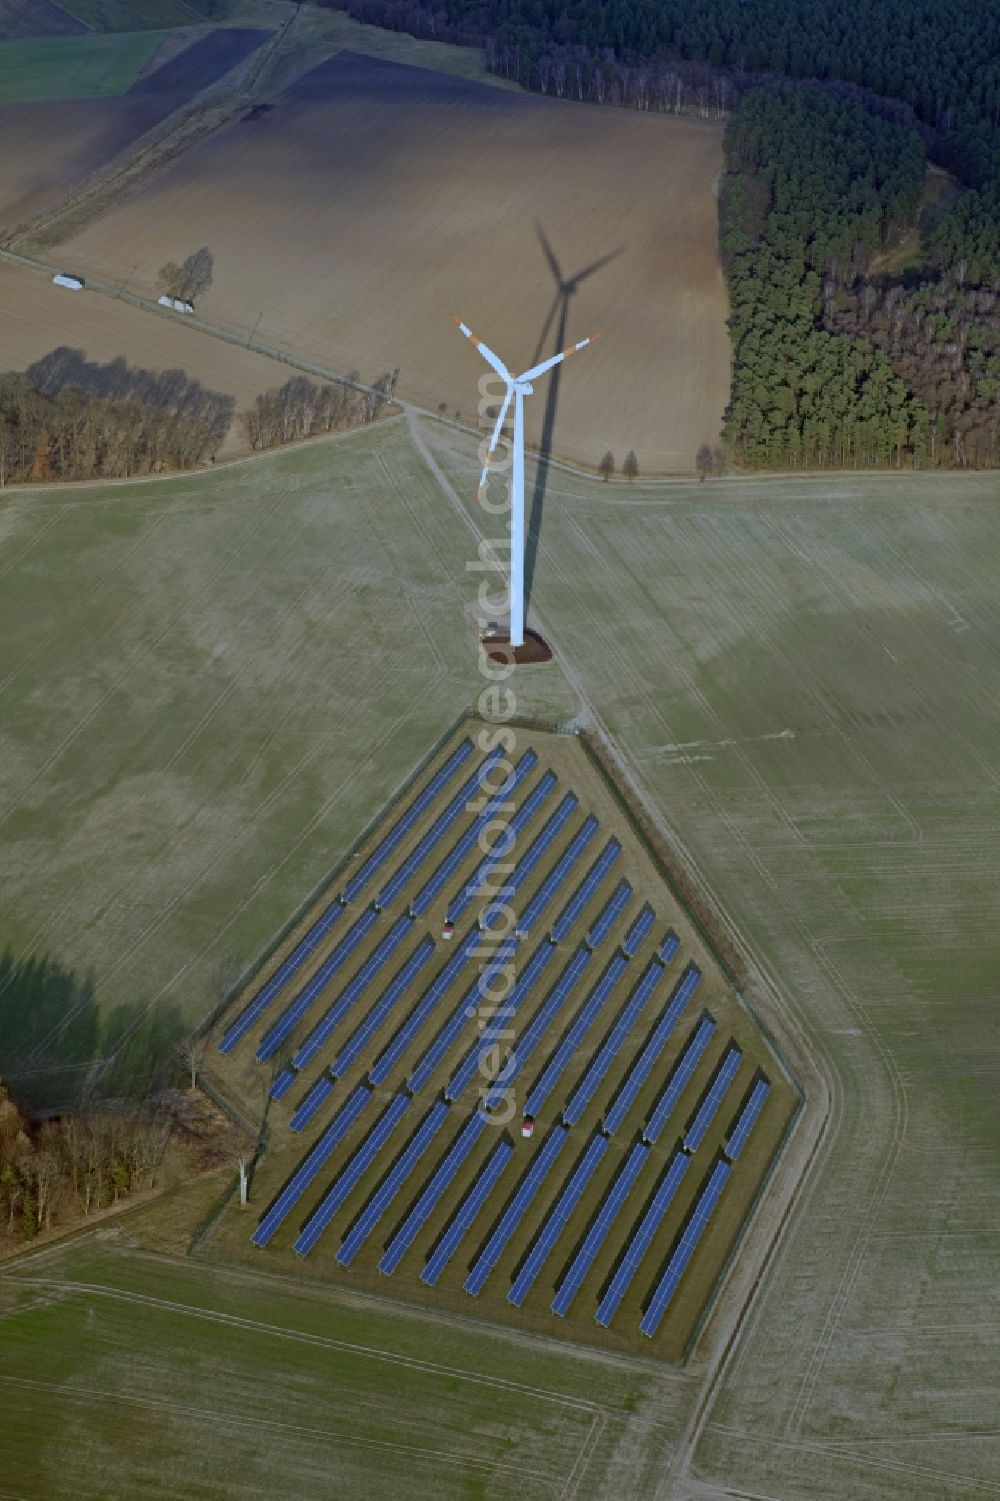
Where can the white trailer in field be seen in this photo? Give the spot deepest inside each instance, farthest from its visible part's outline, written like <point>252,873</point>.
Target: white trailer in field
<point>179,304</point>
<point>63,279</point>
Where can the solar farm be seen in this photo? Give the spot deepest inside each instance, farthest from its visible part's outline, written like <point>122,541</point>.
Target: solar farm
<point>504,1073</point>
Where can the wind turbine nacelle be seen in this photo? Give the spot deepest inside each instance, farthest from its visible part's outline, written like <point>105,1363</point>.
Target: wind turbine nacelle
<point>523,389</point>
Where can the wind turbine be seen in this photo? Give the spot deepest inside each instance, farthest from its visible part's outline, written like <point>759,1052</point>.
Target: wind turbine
<point>518,387</point>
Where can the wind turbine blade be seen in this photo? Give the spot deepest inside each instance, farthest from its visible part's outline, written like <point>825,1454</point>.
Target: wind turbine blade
<point>557,358</point>
<point>484,350</point>
<point>501,419</point>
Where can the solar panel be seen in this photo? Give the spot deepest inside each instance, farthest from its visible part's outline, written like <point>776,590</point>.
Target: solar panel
<point>612,1044</point>
<point>499,1027</point>
<point>448,815</point>
<point>466,1212</point>
<point>478,882</point>
<point>410,1228</point>
<point>531,857</point>
<point>460,1017</point>
<point>515,1210</point>
<point>283,1083</point>
<point>336,959</point>
<point>609,914</point>
<point>366,1029</point>
<point>412,1026</point>
<point>317,1096</point>
<point>352,1172</point>
<point>636,935</point>
<point>747,1120</point>
<point>405,822</point>
<point>705,1113</point>
<point>311,1164</point>
<point>651,1049</point>
<point>680,1078</point>
<point>352,992</point>
<point>595,1237</point>
<point>586,889</point>
<point>538,1026</point>
<point>262,1000</point>
<point>575,1033</point>
<point>397,1175</point>
<point>498,803</point>
<point>556,1222</point>
<point>558,874</point>
<point>668,947</point>
<point>676,1266</point>
<point>642,1238</point>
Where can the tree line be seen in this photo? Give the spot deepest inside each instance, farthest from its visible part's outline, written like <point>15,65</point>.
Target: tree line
<point>814,185</point>
<point>301,408</point>
<point>71,1167</point>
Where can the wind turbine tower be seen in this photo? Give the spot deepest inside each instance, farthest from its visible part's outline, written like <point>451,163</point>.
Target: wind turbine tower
<point>518,387</point>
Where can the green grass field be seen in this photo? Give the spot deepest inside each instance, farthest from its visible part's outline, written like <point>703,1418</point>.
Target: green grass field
<point>801,677</point>
<point>74,67</point>
<point>125,15</point>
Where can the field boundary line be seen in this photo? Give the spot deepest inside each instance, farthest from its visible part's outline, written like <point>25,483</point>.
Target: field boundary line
<point>322,1341</point>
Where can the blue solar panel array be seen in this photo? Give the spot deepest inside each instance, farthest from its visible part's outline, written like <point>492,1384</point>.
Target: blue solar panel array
<point>529,860</point>
<point>680,1078</point>
<point>584,1092</point>
<point>748,1118</point>
<point>556,1222</point>
<point>452,811</point>
<point>353,1171</point>
<point>676,1266</point>
<point>557,874</point>
<point>394,991</point>
<point>516,1209</point>
<point>310,941</point>
<point>538,1026</point>
<point>313,1099</point>
<point>641,1239</point>
<point>410,1228</point>
<point>436,990</point>
<point>393,1182</point>
<point>609,914</point>
<point>652,1048</point>
<point>638,930</point>
<point>575,1034</point>
<point>283,1083</point>
<point>334,1015</point>
<point>586,889</point>
<point>610,1207</point>
<point>464,845</point>
<point>466,1212</point>
<point>335,960</point>
<point>704,1115</point>
<point>478,882</point>
<point>311,1164</point>
<point>493,1034</point>
<point>405,823</point>
<point>668,948</point>
<point>467,1008</point>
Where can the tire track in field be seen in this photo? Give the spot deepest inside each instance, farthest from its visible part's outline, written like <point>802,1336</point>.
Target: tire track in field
<point>324,1436</point>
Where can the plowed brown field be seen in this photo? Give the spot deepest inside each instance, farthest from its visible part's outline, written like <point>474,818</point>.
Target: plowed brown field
<point>374,199</point>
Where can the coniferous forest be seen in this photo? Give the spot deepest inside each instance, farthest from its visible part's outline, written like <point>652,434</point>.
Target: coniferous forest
<point>833,113</point>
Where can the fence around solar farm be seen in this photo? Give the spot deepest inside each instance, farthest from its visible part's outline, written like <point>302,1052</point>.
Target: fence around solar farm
<point>367,1150</point>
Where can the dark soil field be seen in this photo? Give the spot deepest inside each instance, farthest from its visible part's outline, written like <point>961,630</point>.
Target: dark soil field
<point>23,18</point>
<point>210,58</point>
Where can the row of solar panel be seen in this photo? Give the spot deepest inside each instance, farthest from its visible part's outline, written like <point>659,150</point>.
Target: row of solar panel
<point>335,961</point>
<point>478,1194</point>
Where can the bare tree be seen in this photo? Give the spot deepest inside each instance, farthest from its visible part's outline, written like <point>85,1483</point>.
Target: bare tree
<point>630,468</point>
<point>704,460</point>
<point>191,1050</point>
<point>607,466</point>
<point>191,278</point>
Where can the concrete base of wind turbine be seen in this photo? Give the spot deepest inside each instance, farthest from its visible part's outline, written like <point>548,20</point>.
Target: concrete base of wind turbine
<point>535,649</point>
